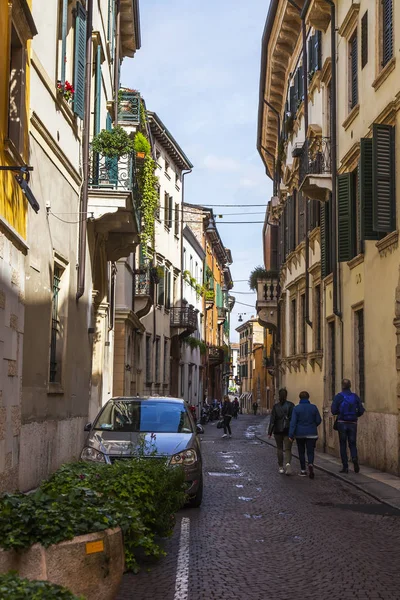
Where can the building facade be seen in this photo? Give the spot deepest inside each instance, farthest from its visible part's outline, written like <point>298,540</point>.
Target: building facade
<point>327,135</point>
<point>251,333</point>
<point>18,28</point>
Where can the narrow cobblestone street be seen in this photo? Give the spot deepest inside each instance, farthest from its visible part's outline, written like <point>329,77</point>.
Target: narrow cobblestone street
<point>262,535</point>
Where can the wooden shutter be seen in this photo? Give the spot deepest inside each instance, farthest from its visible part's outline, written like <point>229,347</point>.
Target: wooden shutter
<point>387,22</point>
<point>274,263</point>
<point>354,73</point>
<point>366,195</point>
<point>383,178</point>
<point>364,39</point>
<point>170,208</point>
<point>345,218</point>
<point>324,220</point>
<point>168,289</point>
<point>301,82</point>
<point>301,202</point>
<point>79,60</point>
<point>292,99</point>
<point>310,47</point>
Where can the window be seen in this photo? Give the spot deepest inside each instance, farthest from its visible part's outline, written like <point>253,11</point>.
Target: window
<point>55,366</point>
<point>364,39</point>
<point>148,360</point>
<point>166,168</point>
<point>325,224</point>
<point>360,355</point>
<point>387,31</point>
<point>314,53</point>
<point>157,369</point>
<point>353,73</point>
<point>383,178</point>
<point>313,213</point>
<point>317,318</point>
<point>170,210</point>
<point>301,221</point>
<point>16,106</point>
<point>167,288</point>
<point>191,265</point>
<point>176,219</point>
<point>349,237</point>
<point>166,209</point>
<point>293,323</point>
<point>165,361</point>
<point>158,209</point>
<point>161,289</point>
<point>303,338</point>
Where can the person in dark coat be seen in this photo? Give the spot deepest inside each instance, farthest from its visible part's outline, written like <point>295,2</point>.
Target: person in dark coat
<point>304,427</point>
<point>279,426</point>
<point>347,407</point>
<point>235,408</point>
<point>227,412</point>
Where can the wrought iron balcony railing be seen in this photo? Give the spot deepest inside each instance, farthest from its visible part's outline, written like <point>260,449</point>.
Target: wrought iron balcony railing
<point>221,313</point>
<point>184,317</point>
<point>143,282</point>
<point>112,173</point>
<point>315,158</point>
<point>129,107</point>
<point>215,355</point>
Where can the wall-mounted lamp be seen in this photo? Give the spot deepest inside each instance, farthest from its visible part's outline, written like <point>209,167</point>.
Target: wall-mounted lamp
<point>22,178</point>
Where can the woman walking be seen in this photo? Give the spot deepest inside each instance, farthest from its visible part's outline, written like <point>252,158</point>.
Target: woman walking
<point>304,427</point>
<point>227,412</point>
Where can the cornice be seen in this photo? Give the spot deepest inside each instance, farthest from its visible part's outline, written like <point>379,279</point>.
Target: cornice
<point>350,21</point>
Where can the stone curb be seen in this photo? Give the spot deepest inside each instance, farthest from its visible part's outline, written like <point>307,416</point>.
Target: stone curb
<point>337,475</point>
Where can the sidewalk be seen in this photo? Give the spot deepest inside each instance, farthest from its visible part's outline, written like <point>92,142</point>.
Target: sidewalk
<point>377,484</point>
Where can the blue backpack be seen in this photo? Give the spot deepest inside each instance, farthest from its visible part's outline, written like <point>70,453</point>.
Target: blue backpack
<point>348,408</point>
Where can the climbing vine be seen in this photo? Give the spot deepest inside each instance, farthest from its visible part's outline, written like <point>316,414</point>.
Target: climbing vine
<point>149,200</point>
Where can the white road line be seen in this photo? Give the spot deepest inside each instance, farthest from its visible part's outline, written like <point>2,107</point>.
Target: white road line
<point>182,569</point>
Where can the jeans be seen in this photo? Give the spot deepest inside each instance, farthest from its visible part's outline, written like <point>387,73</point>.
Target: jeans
<point>347,433</point>
<point>282,440</point>
<point>227,427</point>
<point>302,445</point>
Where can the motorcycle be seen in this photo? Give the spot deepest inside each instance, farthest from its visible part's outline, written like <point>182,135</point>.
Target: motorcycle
<point>205,415</point>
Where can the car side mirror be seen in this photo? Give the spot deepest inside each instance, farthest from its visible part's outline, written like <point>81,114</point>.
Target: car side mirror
<point>199,429</point>
<point>88,427</point>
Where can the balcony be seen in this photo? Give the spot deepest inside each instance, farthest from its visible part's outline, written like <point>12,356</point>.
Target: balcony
<point>129,108</point>
<point>319,15</point>
<point>215,355</point>
<point>315,178</point>
<point>144,292</point>
<point>222,312</point>
<point>268,291</point>
<point>113,201</point>
<point>184,318</point>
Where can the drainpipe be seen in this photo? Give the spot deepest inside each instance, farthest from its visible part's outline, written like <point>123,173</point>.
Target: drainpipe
<point>116,58</point>
<point>85,154</point>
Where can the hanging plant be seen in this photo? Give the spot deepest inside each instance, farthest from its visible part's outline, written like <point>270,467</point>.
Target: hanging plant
<point>149,200</point>
<point>186,275</point>
<point>199,289</point>
<point>209,295</point>
<point>193,282</point>
<point>142,145</point>
<point>67,90</point>
<point>113,144</point>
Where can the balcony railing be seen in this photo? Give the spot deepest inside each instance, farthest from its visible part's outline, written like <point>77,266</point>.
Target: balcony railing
<point>221,313</point>
<point>129,107</point>
<point>268,291</point>
<point>184,317</point>
<point>142,282</point>
<point>315,158</point>
<point>215,355</point>
<point>112,173</point>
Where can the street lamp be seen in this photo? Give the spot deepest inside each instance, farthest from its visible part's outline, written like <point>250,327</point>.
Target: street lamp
<point>22,178</point>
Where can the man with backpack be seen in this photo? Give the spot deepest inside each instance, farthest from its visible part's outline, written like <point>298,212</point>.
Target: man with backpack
<point>347,408</point>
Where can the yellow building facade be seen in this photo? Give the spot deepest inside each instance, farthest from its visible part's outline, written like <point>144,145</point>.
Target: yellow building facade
<point>17,29</point>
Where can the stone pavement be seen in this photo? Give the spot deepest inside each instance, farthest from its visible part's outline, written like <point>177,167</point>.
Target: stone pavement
<point>263,536</point>
<point>381,486</point>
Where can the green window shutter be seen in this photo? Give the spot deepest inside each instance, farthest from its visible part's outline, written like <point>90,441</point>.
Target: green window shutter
<point>324,229</point>
<point>383,178</point>
<point>366,195</point>
<point>318,50</point>
<point>161,290</point>
<point>79,60</point>
<point>310,46</point>
<point>387,9</point>
<point>354,70</point>
<point>170,205</point>
<point>292,99</point>
<point>345,218</point>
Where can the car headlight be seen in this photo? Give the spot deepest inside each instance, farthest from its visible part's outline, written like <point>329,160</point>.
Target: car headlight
<point>92,455</point>
<point>186,458</point>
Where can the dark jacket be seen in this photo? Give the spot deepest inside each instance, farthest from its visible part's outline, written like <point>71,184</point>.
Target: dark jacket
<point>227,409</point>
<point>336,408</point>
<point>305,420</point>
<point>280,410</point>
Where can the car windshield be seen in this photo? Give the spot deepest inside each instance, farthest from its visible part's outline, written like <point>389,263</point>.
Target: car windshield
<point>144,416</point>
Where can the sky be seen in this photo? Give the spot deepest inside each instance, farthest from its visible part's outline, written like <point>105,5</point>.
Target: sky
<point>198,69</point>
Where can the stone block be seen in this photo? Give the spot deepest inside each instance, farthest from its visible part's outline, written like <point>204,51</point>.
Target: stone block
<point>14,321</point>
<point>12,368</point>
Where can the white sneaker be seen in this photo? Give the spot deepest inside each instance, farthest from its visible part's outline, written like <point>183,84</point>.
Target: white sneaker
<point>303,473</point>
<point>225,435</point>
<point>288,469</point>
<point>281,470</point>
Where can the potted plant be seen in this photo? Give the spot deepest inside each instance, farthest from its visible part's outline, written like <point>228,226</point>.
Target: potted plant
<point>142,145</point>
<point>113,143</point>
<point>66,91</point>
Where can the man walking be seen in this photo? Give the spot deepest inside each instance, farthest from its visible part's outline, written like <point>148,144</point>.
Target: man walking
<point>347,407</point>
<point>255,408</point>
<point>227,412</point>
<point>279,426</point>
<point>304,427</point>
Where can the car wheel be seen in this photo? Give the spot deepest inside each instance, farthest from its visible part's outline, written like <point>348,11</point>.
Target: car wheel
<point>195,502</point>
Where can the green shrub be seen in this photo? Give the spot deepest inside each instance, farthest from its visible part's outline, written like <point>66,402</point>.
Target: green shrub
<point>142,144</point>
<point>13,587</point>
<point>139,495</point>
<point>258,273</point>
<point>113,143</point>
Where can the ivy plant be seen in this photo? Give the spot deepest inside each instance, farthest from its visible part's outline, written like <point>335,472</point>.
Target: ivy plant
<point>113,143</point>
<point>149,200</point>
<point>13,587</point>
